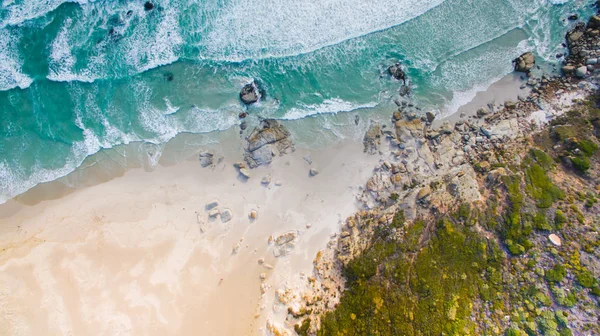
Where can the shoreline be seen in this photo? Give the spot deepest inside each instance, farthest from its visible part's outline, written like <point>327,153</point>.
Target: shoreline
<point>138,241</point>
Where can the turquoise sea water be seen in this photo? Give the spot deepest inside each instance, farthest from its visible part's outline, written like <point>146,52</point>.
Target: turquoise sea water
<point>80,76</point>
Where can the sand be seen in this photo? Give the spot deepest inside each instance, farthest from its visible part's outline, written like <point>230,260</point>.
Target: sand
<point>128,256</point>
<point>134,252</point>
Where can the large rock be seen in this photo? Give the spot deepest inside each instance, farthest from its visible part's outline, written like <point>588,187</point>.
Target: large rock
<point>266,141</point>
<point>525,62</point>
<point>594,22</point>
<point>581,72</point>
<point>372,139</point>
<point>249,94</point>
<point>285,243</point>
<point>206,159</point>
<point>397,72</point>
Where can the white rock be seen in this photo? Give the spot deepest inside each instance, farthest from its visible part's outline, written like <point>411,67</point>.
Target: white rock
<point>555,240</point>
<point>213,213</point>
<point>245,172</point>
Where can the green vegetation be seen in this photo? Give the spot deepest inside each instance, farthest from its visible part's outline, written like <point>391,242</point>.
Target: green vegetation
<point>541,188</point>
<point>581,164</point>
<point>428,292</point>
<point>587,147</point>
<point>559,219</point>
<point>556,274</point>
<point>586,279</point>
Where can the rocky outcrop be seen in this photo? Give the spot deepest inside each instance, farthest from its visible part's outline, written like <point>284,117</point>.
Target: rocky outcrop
<point>372,139</point>
<point>249,94</point>
<point>267,140</point>
<point>397,72</point>
<point>525,62</point>
<point>206,159</point>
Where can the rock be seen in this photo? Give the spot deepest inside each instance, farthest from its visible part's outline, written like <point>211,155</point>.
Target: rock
<point>244,125</point>
<point>266,180</point>
<point>581,72</point>
<point>568,69</point>
<point>206,159</point>
<point>236,248</point>
<point>525,62</point>
<point>396,72</point>
<point>253,215</point>
<point>424,193</point>
<point>148,6</point>
<point>397,115</point>
<point>485,132</point>
<point>226,215</point>
<point>213,213</point>
<point>249,94</point>
<point>286,238</point>
<point>239,165</point>
<point>573,37</point>
<point>430,116</point>
<point>263,276</point>
<point>573,17</point>
<point>591,61</point>
<point>594,22</point>
<point>356,120</point>
<point>372,138</point>
<point>483,166</point>
<point>313,172</point>
<point>212,204</point>
<point>495,175</point>
<point>555,240</point>
<point>245,172</point>
<point>510,105</point>
<point>267,140</point>
<point>404,90</point>
<point>482,112</point>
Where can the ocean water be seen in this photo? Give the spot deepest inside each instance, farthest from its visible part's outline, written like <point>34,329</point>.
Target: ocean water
<point>80,76</point>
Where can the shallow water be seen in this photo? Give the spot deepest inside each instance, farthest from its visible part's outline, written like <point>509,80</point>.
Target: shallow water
<point>80,76</point>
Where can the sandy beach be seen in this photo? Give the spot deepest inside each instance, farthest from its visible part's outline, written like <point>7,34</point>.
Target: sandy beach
<point>139,255</point>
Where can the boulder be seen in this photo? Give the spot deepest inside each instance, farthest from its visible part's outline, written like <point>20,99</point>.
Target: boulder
<point>424,193</point>
<point>313,172</point>
<point>226,215</point>
<point>430,116</point>
<point>397,72</point>
<point>555,240</point>
<point>267,140</point>
<point>568,69</point>
<point>249,94</point>
<point>372,139</point>
<point>525,62</point>
<point>212,204</point>
<point>581,72</point>
<point>245,172</point>
<point>482,112</point>
<point>148,6</point>
<point>253,215</point>
<point>206,159</point>
<point>594,22</point>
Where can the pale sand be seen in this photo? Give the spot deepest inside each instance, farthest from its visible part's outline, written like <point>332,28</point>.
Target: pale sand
<point>126,257</point>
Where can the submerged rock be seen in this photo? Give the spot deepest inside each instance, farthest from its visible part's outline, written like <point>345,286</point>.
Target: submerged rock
<point>148,6</point>
<point>249,94</point>
<point>525,62</point>
<point>266,141</point>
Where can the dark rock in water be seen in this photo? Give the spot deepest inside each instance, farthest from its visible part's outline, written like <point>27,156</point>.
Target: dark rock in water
<point>397,72</point>
<point>148,6</point>
<point>129,13</point>
<point>242,115</point>
<point>249,94</point>
<point>525,62</point>
<point>169,76</point>
<point>356,120</point>
<point>594,22</point>
<point>243,125</point>
<point>266,141</point>
<point>573,17</point>
<point>404,90</point>
<point>430,116</point>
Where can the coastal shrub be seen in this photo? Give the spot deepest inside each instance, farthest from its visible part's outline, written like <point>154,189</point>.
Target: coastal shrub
<point>585,279</point>
<point>581,164</point>
<point>515,332</point>
<point>556,273</point>
<point>428,292</point>
<point>559,219</point>
<point>542,159</point>
<point>595,291</point>
<point>563,132</point>
<point>464,211</point>
<point>587,147</point>
<point>541,188</point>
<point>540,222</point>
<point>563,298</point>
<point>302,329</point>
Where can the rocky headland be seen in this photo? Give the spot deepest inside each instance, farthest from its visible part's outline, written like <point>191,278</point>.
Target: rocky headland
<point>487,225</point>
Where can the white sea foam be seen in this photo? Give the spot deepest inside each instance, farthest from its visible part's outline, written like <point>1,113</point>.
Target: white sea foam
<point>253,29</point>
<point>17,12</point>
<point>329,106</point>
<point>11,75</point>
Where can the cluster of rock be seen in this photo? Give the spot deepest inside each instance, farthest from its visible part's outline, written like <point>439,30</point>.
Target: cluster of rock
<point>430,170</point>
<point>584,49</point>
<point>266,141</point>
<point>213,210</point>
